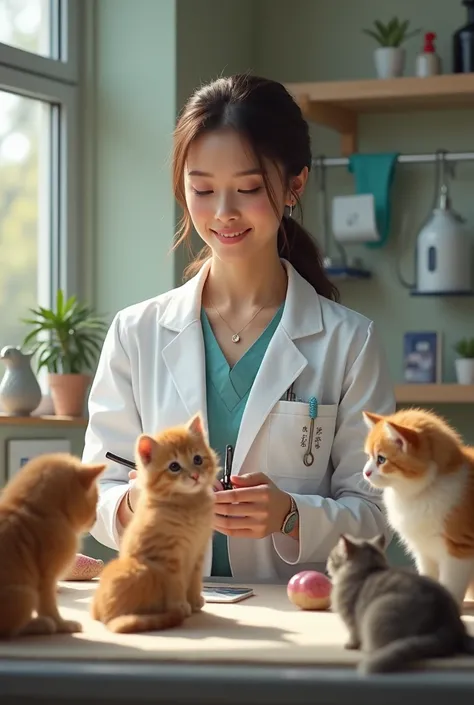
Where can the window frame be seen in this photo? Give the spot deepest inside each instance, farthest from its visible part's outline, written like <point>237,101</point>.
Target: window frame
<point>65,66</point>
<point>56,81</point>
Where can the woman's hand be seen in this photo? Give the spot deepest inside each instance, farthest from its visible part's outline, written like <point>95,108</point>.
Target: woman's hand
<point>134,490</point>
<point>254,509</point>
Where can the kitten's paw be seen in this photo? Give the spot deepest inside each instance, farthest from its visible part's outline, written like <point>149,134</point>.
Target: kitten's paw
<point>352,645</point>
<point>68,626</point>
<point>39,626</point>
<point>183,607</point>
<point>198,604</point>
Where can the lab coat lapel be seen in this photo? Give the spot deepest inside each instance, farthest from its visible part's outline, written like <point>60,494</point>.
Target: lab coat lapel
<point>282,364</point>
<point>283,361</point>
<point>184,356</point>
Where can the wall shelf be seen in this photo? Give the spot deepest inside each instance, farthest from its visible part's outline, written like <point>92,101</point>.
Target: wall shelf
<point>52,421</point>
<point>434,393</point>
<point>338,104</point>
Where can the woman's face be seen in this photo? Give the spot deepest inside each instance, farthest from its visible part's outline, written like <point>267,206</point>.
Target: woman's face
<point>227,199</point>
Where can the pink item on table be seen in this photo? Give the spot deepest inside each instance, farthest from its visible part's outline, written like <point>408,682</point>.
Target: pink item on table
<point>84,568</point>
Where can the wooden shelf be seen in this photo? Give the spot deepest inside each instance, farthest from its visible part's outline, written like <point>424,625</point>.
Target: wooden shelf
<point>52,421</point>
<point>434,393</point>
<point>337,104</point>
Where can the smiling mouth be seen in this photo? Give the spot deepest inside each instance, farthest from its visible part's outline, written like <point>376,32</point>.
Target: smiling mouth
<point>230,235</point>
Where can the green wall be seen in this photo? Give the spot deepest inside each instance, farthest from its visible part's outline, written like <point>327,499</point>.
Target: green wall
<point>142,61</point>
<point>323,41</point>
<point>214,38</point>
<point>131,114</point>
<point>132,97</point>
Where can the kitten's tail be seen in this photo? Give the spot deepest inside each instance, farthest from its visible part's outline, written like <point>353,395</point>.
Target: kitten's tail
<point>402,652</point>
<point>132,623</point>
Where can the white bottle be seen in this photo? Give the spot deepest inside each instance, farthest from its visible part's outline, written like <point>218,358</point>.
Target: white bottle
<point>428,62</point>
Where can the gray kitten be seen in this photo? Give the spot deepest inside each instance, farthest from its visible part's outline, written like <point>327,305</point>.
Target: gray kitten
<point>393,615</point>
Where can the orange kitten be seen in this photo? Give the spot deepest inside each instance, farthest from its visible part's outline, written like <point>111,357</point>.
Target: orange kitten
<point>157,579</point>
<point>427,478</point>
<point>43,511</point>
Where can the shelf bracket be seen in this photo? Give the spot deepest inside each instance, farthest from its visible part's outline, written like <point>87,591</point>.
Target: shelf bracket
<point>339,119</point>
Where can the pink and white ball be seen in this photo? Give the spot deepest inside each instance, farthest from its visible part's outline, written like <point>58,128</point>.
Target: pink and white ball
<point>310,590</point>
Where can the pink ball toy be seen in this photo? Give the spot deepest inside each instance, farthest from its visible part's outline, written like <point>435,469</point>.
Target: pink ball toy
<point>310,590</point>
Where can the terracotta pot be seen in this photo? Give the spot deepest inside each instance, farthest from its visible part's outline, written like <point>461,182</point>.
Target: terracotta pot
<point>68,392</point>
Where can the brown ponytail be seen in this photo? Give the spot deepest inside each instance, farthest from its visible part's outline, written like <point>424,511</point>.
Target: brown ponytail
<point>297,246</point>
<point>272,122</point>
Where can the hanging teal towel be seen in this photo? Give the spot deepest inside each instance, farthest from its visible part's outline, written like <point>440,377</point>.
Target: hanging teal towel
<point>374,174</point>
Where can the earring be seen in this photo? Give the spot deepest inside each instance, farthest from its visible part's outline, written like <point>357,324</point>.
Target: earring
<point>290,210</point>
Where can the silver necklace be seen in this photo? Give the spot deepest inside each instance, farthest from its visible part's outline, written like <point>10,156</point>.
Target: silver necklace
<point>236,335</point>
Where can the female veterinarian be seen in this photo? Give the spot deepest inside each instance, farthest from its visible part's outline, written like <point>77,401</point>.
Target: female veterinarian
<point>256,340</point>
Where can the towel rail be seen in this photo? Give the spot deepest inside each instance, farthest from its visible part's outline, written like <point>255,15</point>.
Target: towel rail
<point>402,159</point>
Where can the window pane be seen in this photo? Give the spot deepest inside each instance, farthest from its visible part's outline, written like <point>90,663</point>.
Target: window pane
<point>25,24</point>
<point>25,198</point>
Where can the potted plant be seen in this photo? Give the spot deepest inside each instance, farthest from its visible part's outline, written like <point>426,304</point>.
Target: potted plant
<point>464,363</point>
<point>390,55</point>
<point>66,341</point>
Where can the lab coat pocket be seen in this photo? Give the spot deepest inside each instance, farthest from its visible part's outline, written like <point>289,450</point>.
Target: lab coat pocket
<point>289,437</point>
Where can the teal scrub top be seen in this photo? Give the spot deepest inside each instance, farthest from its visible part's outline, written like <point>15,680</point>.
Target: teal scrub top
<point>227,391</point>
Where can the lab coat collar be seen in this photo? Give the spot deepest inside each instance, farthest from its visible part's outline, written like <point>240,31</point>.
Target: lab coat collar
<point>301,316</point>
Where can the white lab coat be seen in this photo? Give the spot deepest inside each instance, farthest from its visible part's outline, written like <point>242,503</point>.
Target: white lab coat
<point>151,374</point>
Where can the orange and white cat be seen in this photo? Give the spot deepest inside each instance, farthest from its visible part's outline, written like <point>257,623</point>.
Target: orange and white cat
<point>427,477</point>
<point>156,582</point>
<point>44,509</point>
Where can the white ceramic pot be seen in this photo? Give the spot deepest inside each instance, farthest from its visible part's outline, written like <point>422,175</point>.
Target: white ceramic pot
<point>389,61</point>
<point>464,370</point>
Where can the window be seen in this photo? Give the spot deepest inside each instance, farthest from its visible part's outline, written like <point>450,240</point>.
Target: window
<point>38,157</point>
<point>25,24</point>
<point>24,209</point>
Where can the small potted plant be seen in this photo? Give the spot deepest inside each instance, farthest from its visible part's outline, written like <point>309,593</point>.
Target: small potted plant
<point>390,55</point>
<point>66,341</point>
<point>464,363</point>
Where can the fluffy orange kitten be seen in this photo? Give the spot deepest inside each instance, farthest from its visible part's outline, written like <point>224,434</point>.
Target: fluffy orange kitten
<point>427,478</point>
<point>44,509</point>
<point>157,579</point>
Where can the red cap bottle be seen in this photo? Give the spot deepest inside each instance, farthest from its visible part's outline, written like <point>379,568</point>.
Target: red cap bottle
<point>428,62</point>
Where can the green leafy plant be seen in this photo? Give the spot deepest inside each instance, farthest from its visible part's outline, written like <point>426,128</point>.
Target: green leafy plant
<point>392,34</point>
<point>66,339</point>
<point>465,347</point>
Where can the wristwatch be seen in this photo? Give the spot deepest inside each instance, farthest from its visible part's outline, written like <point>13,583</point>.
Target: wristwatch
<point>291,518</point>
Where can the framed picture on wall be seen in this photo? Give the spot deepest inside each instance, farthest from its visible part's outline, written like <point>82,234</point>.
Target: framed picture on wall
<point>21,450</point>
<point>422,357</point>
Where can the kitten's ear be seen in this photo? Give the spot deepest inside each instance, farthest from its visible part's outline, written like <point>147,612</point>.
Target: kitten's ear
<point>347,547</point>
<point>196,425</point>
<point>90,473</point>
<point>378,542</point>
<point>145,448</point>
<point>402,436</point>
<point>371,419</point>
